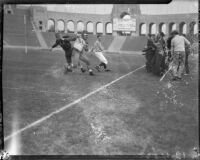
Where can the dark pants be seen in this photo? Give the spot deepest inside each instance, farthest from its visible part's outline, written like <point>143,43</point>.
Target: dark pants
<point>149,57</point>
<point>68,56</point>
<point>81,56</point>
<point>178,63</point>
<point>157,64</point>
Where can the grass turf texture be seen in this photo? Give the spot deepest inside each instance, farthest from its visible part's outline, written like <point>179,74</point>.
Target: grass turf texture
<point>136,115</point>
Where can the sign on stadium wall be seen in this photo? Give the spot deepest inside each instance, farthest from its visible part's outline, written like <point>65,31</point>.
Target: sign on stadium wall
<point>124,24</point>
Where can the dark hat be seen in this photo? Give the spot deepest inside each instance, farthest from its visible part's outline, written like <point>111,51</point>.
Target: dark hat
<point>149,35</point>
<point>98,35</point>
<point>162,34</point>
<point>174,32</point>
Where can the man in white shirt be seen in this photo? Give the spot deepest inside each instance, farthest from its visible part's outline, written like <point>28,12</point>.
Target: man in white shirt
<point>178,54</point>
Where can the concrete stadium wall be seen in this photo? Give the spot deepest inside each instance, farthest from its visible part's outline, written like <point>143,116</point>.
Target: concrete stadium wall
<point>41,16</point>
<point>168,20</point>
<point>75,17</point>
<point>177,19</point>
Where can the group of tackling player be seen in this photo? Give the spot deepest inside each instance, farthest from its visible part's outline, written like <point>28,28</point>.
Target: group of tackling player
<point>78,50</point>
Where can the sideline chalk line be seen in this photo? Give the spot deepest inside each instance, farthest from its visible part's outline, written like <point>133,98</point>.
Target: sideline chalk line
<point>68,105</point>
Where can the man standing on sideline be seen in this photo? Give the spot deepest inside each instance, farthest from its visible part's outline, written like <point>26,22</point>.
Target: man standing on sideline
<point>150,51</point>
<point>64,42</point>
<point>158,62</point>
<point>178,54</point>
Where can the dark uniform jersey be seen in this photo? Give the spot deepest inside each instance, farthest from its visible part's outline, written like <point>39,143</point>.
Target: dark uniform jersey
<point>65,41</point>
<point>65,44</point>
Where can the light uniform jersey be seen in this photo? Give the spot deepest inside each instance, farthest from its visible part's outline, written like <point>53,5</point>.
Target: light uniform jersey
<point>98,49</point>
<point>80,55</point>
<point>81,41</point>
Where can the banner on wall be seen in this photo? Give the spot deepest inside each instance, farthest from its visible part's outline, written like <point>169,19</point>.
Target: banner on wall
<point>124,24</point>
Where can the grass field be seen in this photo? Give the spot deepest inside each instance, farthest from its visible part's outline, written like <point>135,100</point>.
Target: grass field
<point>136,114</point>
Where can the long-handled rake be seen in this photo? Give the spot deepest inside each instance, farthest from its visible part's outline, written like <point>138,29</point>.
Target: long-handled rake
<point>170,67</point>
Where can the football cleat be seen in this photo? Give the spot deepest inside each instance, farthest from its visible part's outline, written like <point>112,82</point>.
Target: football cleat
<point>98,68</point>
<point>91,73</point>
<point>83,70</point>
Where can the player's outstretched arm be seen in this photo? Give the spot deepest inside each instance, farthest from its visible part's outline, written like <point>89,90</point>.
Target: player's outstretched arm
<point>70,37</point>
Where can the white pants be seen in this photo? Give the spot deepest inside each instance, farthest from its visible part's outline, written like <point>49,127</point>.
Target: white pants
<point>101,57</point>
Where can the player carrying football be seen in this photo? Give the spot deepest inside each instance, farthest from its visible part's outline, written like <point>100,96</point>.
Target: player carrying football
<point>80,48</point>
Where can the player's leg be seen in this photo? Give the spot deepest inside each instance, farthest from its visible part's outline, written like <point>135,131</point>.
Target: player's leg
<point>76,60</point>
<point>68,57</point>
<point>84,59</point>
<point>103,61</point>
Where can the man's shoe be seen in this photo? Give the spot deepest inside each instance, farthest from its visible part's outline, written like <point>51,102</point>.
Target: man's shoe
<point>83,70</point>
<point>91,73</point>
<point>69,70</point>
<point>107,70</point>
<point>98,68</point>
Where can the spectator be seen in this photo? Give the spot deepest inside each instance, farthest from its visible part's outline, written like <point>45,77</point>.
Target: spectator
<point>150,51</point>
<point>178,54</point>
<point>158,59</point>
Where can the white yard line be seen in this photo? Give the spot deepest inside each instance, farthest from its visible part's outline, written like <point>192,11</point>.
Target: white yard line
<point>69,105</point>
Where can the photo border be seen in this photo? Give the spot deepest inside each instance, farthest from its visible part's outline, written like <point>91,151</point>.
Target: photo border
<point>74,157</point>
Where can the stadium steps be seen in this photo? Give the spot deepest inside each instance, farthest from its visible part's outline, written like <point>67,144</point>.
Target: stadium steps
<point>16,35</point>
<point>39,36</point>
<point>49,37</point>
<point>116,44</point>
